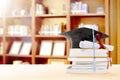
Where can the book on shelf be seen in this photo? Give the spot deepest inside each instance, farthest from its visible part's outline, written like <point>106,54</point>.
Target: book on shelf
<point>50,29</point>
<point>46,47</point>
<point>18,30</point>
<point>15,48</point>
<point>1,30</point>
<point>57,61</point>
<point>100,10</point>
<point>79,7</point>
<point>59,48</point>
<point>1,47</point>
<point>26,48</point>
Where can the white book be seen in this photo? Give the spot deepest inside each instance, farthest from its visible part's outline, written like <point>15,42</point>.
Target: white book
<point>70,70</point>
<point>88,52</point>
<point>89,59</point>
<point>88,68</point>
<point>15,48</point>
<point>26,48</point>
<point>59,48</point>
<point>46,47</point>
<point>78,63</point>
<point>91,66</point>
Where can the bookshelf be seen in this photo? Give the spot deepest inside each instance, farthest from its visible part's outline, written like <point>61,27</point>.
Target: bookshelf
<point>37,20</point>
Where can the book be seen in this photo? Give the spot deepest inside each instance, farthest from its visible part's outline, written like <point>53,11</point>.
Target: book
<point>100,10</point>
<point>84,65</point>
<point>59,48</point>
<point>88,52</point>
<point>89,59</point>
<point>89,63</point>
<point>46,47</point>
<point>57,61</point>
<point>15,48</point>
<point>26,48</point>
<point>87,70</point>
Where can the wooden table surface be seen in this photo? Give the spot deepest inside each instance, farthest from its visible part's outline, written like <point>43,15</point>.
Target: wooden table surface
<point>52,72</point>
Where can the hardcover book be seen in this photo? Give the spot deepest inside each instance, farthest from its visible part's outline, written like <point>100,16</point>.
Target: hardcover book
<point>59,48</point>
<point>15,48</point>
<point>46,47</point>
<point>26,48</point>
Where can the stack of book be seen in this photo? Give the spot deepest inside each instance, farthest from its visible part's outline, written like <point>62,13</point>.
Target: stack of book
<point>79,7</point>
<point>50,29</point>
<point>88,61</point>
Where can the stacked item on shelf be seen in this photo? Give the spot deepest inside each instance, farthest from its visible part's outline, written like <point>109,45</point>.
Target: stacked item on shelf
<point>50,29</point>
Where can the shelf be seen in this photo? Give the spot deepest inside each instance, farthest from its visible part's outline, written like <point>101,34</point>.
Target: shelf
<point>50,15</point>
<point>1,16</point>
<point>19,16</point>
<point>18,36</point>
<point>1,54</point>
<point>39,27</point>
<point>49,36</point>
<point>1,36</point>
<point>89,15</point>
<point>57,57</point>
<point>17,55</point>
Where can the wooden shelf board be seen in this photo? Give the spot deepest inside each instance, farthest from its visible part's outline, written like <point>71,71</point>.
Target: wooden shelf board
<point>60,57</point>
<point>15,55</point>
<point>50,36</point>
<point>1,54</point>
<point>50,15</point>
<point>1,36</point>
<point>88,15</point>
<point>1,16</point>
<point>18,36</point>
<point>19,16</point>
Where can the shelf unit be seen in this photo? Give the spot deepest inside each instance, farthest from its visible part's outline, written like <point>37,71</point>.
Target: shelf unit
<point>24,13</point>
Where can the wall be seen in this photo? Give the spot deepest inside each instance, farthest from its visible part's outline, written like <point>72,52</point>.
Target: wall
<point>113,29</point>
<point>118,31</point>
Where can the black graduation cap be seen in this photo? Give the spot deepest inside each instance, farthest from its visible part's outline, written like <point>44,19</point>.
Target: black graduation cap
<point>82,34</point>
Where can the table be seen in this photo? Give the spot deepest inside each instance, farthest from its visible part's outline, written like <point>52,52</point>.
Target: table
<point>52,72</point>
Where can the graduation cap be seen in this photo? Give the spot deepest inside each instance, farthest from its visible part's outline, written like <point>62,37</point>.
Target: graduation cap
<point>82,34</point>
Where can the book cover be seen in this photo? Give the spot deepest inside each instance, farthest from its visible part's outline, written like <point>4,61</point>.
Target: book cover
<point>57,61</point>
<point>26,48</point>
<point>59,48</point>
<point>88,52</point>
<point>89,59</point>
<point>46,47</point>
<point>15,48</point>
<point>76,70</point>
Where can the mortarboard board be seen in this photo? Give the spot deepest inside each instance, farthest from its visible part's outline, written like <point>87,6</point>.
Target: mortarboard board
<point>82,34</point>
